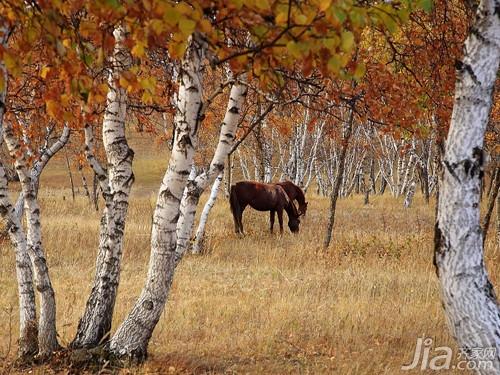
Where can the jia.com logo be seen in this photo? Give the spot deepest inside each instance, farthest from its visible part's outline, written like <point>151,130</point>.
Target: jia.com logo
<point>441,358</point>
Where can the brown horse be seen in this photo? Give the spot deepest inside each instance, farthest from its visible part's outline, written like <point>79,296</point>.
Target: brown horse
<point>262,197</point>
<point>295,193</point>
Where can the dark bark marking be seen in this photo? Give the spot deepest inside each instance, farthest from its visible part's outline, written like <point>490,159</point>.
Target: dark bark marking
<point>148,305</point>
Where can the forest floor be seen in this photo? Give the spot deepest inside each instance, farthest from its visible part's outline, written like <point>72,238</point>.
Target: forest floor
<point>262,303</point>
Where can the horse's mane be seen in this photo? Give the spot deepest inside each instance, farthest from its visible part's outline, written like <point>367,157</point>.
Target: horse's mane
<point>292,205</point>
<point>301,198</point>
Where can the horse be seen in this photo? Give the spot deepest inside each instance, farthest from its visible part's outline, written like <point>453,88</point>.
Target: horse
<point>295,193</point>
<point>262,197</point>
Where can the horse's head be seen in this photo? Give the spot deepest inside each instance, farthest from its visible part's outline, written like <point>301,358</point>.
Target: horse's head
<point>302,208</point>
<point>293,218</point>
<point>293,224</point>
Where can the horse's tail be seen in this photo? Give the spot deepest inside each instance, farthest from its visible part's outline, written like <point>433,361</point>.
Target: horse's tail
<point>235,209</point>
<point>233,201</point>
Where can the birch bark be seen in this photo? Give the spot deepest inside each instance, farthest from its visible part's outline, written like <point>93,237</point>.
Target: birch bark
<point>200,232</point>
<point>28,329</point>
<point>116,184</point>
<point>197,186</point>
<point>336,188</point>
<point>47,336</point>
<point>469,300</point>
<point>131,339</point>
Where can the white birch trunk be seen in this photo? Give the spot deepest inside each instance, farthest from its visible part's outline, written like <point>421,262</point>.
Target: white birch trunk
<point>196,187</point>
<point>28,330</point>
<point>39,165</point>
<point>200,232</point>
<point>409,196</point>
<point>95,324</point>
<point>131,339</point>
<point>243,165</point>
<point>469,300</point>
<point>28,344</point>
<point>47,336</point>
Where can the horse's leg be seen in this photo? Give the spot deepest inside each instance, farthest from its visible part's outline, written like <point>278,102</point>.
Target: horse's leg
<point>280,219</point>
<point>272,219</point>
<point>240,218</point>
<point>236,222</point>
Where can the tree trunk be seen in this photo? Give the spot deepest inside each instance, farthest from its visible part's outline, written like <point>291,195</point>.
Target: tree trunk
<point>469,300</point>
<point>70,177</point>
<point>335,192</point>
<point>200,232</point>
<point>228,175</point>
<point>28,329</point>
<point>95,324</point>
<point>494,192</point>
<point>409,195</point>
<point>196,187</point>
<point>383,185</point>
<point>498,219</point>
<point>95,194</point>
<point>131,339</point>
<point>47,336</point>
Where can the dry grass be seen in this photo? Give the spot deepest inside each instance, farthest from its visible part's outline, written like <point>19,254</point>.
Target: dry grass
<point>262,303</point>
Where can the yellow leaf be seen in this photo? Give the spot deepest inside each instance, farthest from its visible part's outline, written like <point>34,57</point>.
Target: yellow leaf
<point>45,70</point>
<point>205,26</point>
<point>147,98</point>
<point>300,19</point>
<point>9,61</point>
<point>138,50</point>
<point>281,18</point>
<point>123,82</point>
<point>65,99</point>
<point>237,3</point>
<point>51,108</point>
<point>347,41</point>
<point>184,8</point>
<point>149,84</point>
<point>157,26</point>
<point>294,49</point>
<point>324,5</point>
<point>103,88</point>
<point>68,116</point>
<point>177,49</point>
<point>334,64</point>
<point>263,4</point>
<point>186,26</point>
<point>360,70</point>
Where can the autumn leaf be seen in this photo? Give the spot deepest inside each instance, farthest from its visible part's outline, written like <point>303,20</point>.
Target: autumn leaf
<point>139,49</point>
<point>426,5</point>
<point>51,107</point>
<point>347,41</point>
<point>360,70</point>
<point>186,26</point>
<point>324,5</point>
<point>263,4</point>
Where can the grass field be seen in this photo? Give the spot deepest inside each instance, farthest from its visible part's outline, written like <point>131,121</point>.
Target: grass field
<point>262,304</point>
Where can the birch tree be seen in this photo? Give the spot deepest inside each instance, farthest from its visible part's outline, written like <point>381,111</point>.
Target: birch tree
<point>28,329</point>
<point>200,232</point>
<point>469,300</point>
<point>116,183</point>
<point>47,336</point>
<point>336,188</point>
<point>197,186</point>
<point>132,337</point>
